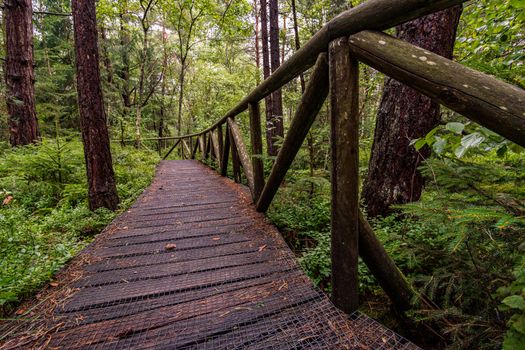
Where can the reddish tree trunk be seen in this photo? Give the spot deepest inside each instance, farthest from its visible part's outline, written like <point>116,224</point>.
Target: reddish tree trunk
<point>274,125</point>
<point>19,74</point>
<point>404,115</point>
<point>101,180</point>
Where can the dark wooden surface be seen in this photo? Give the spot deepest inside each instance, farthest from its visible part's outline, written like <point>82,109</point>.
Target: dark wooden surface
<point>191,265</point>
<point>344,115</point>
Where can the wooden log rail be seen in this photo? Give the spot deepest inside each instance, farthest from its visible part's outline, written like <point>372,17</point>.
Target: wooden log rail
<point>336,51</point>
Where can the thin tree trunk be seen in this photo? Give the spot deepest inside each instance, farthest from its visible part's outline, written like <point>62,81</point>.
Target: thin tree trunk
<point>105,55</point>
<point>163,87</point>
<point>404,115</point>
<point>257,46</point>
<point>142,77</point>
<point>266,68</point>
<point>297,40</point>
<point>275,124</point>
<point>181,95</point>
<point>102,191</point>
<point>124,71</point>
<point>19,73</point>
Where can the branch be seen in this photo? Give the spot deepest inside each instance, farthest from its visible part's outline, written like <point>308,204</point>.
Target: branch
<point>46,13</point>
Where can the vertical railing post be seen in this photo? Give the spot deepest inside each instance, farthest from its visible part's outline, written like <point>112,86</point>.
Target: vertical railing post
<point>236,164</point>
<point>344,101</point>
<point>202,145</point>
<point>220,141</point>
<point>257,148</point>
<point>225,152</point>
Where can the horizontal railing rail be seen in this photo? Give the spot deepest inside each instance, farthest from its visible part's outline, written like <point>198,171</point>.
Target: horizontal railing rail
<point>336,51</point>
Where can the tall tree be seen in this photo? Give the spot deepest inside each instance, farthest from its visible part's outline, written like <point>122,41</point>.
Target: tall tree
<point>266,67</point>
<point>102,191</point>
<point>19,74</point>
<point>404,115</point>
<point>274,127</point>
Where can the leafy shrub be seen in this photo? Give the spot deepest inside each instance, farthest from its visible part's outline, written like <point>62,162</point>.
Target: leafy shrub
<point>47,220</point>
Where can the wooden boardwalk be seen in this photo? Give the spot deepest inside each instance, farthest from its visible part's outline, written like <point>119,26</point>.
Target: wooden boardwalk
<point>191,265</point>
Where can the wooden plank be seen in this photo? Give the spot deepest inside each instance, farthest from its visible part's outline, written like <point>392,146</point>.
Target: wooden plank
<point>150,248</point>
<point>174,268</point>
<point>344,115</point>
<point>195,296</point>
<point>117,293</point>
<point>484,99</point>
<point>311,102</point>
<point>244,157</point>
<point>257,149</point>
<point>235,309</point>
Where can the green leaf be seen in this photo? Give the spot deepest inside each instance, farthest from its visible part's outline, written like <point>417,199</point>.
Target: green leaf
<point>515,302</point>
<point>420,144</point>
<point>439,145</point>
<point>519,323</point>
<point>472,140</point>
<point>519,4</point>
<point>455,127</point>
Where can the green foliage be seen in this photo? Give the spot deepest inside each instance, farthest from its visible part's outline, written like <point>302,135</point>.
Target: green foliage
<point>491,39</point>
<point>47,220</point>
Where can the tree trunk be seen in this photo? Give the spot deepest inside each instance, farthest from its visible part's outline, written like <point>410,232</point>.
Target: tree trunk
<point>124,70</point>
<point>19,73</point>
<point>266,67</point>
<point>257,45</point>
<point>274,127</point>
<point>404,115</point>
<point>163,88</point>
<point>101,180</point>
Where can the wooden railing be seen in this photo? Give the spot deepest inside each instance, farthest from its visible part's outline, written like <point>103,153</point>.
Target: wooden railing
<point>336,51</point>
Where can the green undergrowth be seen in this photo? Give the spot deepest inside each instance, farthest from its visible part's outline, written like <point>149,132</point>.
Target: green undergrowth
<point>461,245</point>
<point>44,218</point>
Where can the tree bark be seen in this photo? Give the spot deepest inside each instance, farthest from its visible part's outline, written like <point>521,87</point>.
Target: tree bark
<point>19,73</point>
<point>102,191</point>
<point>274,127</point>
<point>124,71</point>
<point>266,65</point>
<point>404,115</point>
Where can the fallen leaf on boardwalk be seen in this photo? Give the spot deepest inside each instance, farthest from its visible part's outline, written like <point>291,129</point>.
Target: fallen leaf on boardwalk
<point>261,248</point>
<point>53,284</point>
<point>216,238</point>
<point>20,312</point>
<point>7,200</point>
<point>170,246</point>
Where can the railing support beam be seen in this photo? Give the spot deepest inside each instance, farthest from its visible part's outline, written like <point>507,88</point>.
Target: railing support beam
<point>244,157</point>
<point>344,115</point>
<point>311,103</point>
<point>171,149</point>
